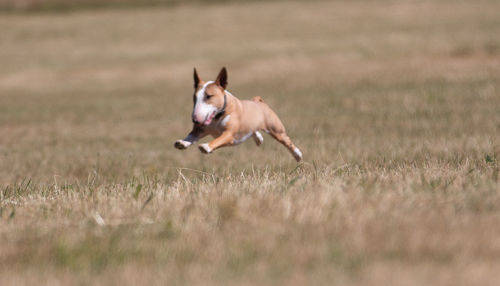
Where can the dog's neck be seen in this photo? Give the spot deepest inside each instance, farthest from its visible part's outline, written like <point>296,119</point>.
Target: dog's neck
<point>223,109</point>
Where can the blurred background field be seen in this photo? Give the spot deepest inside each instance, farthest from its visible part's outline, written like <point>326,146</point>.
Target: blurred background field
<point>395,105</point>
<point>65,5</point>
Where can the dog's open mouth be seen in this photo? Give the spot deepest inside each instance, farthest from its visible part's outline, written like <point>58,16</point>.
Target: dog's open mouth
<point>209,118</point>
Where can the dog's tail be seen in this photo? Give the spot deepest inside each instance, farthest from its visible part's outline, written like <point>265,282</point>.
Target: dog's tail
<point>257,99</point>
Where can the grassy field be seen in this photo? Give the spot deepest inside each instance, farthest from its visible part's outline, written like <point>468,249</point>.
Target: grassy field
<point>395,105</point>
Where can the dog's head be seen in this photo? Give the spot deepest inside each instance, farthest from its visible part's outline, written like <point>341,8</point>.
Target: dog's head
<point>208,98</point>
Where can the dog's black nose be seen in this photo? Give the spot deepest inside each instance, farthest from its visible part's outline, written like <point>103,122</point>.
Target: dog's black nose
<point>195,121</point>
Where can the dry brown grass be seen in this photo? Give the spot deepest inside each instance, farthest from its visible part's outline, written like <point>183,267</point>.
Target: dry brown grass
<point>395,105</point>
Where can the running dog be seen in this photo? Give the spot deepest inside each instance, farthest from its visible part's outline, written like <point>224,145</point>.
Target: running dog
<point>229,120</point>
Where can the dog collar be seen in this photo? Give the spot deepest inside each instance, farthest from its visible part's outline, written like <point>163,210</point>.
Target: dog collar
<point>223,109</point>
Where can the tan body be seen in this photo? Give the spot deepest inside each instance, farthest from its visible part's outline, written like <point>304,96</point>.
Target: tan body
<point>240,120</point>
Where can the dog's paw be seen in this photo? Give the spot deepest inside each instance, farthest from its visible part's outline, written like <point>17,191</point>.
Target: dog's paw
<point>297,154</point>
<point>257,137</point>
<point>204,148</point>
<point>181,144</point>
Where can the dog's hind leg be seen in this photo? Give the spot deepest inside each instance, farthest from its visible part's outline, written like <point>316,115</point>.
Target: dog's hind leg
<point>275,128</point>
<point>257,137</point>
<point>285,140</point>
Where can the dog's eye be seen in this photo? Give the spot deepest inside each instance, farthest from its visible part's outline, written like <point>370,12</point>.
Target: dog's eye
<point>208,96</point>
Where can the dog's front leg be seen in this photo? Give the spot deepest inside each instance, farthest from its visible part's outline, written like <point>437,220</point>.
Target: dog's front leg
<point>225,139</point>
<point>196,134</point>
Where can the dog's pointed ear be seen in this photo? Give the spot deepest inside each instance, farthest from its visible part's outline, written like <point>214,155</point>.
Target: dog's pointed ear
<point>222,78</point>
<point>196,79</point>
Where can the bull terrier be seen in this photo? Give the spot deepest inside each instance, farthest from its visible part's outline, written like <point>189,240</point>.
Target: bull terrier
<point>229,120</point>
